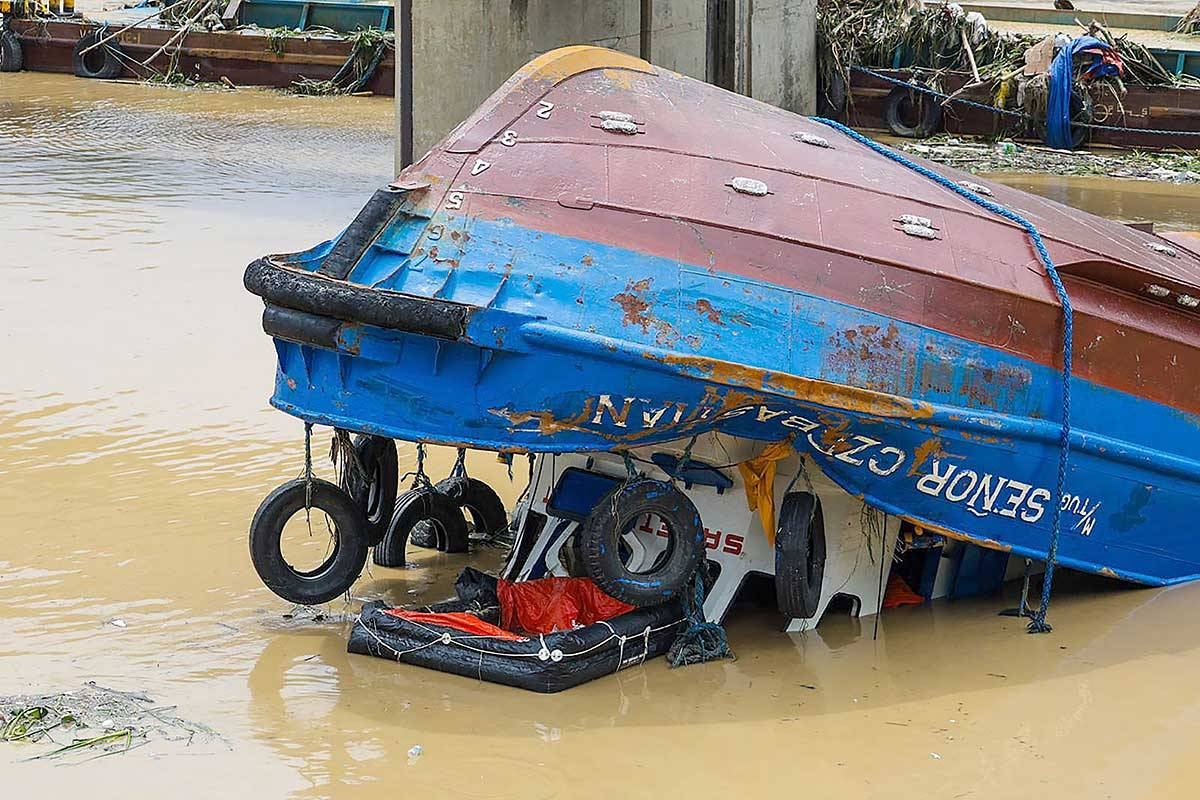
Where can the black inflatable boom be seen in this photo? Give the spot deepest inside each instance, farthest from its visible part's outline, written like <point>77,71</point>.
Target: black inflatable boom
<point>547,663</point>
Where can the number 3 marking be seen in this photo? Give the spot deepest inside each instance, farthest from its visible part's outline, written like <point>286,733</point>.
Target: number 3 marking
<point>544,109</point>
<point>454,201</point>
<point>509,138</point>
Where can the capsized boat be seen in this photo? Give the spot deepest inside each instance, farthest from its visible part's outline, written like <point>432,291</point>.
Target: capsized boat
<point>607,255</point>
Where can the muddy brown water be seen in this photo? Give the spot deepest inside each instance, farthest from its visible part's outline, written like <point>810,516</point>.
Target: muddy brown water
<point>136,442</point>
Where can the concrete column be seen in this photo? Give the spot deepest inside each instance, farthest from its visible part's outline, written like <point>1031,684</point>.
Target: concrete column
<point>464,50</point>
<point>778,52</point>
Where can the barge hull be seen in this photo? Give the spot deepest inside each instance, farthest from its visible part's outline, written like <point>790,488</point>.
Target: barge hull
<point>1162,108</point>
<point>245,60</point>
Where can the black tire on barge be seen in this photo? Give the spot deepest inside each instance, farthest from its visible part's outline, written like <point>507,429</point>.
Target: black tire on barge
<point>12,57</point>
<point>799,555</point>
<point>480,501</point>
<point>341,567</point>
<point>418,505</point>
<point>616,514</point>
<point>104,61</point>
<point>375,493</point>
<point>912,113</point>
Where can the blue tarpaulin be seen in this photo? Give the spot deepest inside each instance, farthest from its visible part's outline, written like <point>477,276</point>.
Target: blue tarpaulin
<point>1062,83</point>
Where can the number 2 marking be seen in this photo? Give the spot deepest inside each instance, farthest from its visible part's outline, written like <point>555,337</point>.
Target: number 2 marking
<point>544,109</point>
<point>509,138</point>
<point>454,201</point>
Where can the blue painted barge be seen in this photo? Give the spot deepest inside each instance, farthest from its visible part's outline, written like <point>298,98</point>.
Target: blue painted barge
<point>609,255</point>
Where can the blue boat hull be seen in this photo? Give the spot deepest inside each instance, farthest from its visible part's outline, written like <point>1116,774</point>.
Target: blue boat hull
<point>952,435</point>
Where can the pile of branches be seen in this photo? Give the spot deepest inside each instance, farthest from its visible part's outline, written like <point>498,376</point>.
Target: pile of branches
<point>1190,23</point>
<point>871,33</point>
<point>369,46</point>
<point>203,13</point>
<point>941,37</point>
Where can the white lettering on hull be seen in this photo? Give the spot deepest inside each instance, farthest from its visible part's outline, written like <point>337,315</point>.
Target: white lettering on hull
<point>981,494</point>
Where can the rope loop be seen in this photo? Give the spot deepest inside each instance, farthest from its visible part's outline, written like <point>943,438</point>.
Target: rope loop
<point>420,479</point>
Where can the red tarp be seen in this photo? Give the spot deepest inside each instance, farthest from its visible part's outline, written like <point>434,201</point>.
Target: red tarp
<point>459,620</point>
<point>554,604</point>
<point>542,606</point>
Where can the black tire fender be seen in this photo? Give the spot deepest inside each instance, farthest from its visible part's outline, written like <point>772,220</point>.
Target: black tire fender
<point>479,500</point>
<point>930,113</point>
<point>101,62</point>
<point>1083,113</point>
<point>799,555</point>
<point>340,570</point>
<point>416,505</point>
<point>375,496</point>
<point>12,57</point>
<point>601,532</point>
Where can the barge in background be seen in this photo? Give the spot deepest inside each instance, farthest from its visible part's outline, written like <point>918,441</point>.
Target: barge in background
<point>245,58</point>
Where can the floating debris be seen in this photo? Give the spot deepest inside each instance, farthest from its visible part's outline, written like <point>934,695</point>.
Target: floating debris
<point>977,155</point>
<point>94,721</point>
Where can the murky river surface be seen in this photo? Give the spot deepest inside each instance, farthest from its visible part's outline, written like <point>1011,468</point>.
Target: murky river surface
<point>136,442</point>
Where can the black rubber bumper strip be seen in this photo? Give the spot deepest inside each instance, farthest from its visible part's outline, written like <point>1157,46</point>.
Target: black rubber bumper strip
<point>375,216</point>
<point>301,327</point>
<point>348,302</point>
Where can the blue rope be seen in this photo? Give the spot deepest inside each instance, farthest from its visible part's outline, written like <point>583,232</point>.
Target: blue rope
<point>703,640</point>
<point>1038,625</point>
<point>916,87</point>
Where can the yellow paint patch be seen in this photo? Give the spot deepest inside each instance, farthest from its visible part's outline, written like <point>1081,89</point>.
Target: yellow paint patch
<point>566,62</point>
<point>832,395</point>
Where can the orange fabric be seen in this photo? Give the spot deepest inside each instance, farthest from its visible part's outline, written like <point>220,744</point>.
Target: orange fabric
<point>554,604</point>
<point>759,476</point>
<point>459,620</point>
<point>898,594</point>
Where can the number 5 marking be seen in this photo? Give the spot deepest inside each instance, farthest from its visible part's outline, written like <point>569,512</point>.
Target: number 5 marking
<point>454,201</point>
<point>544,109</point>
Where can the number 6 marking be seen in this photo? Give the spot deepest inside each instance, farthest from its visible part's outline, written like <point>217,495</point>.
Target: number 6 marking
<point>544,109</point>
<point>454,201</point>
<point>509,138</point>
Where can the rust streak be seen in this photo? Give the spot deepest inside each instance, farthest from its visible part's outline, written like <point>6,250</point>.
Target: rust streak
<point>832,395</point>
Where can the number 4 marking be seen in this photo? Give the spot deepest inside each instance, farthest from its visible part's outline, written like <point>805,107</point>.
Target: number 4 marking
<point>480,166</point>
<point>544,109</point>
